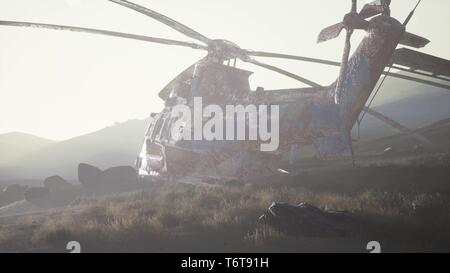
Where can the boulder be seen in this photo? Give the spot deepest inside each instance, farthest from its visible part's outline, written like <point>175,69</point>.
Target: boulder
<point>121,175</point>
<point>56,183</point>
<point>92,177</point>
<point>36,193</point>
<point>89,176</point>
<point>307,220</point>
<point>11,194</point>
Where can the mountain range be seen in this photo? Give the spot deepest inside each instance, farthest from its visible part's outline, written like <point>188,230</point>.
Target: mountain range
<point>421,107</point>
<point>33,157</point>
<point>16,145</point>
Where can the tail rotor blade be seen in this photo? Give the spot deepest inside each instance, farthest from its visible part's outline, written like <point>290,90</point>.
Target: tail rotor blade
<point>370,11</point>
<point>281,71</point>
<point>335,30</point>
<point>374,8</point>
<point>330,32</point>
<point>354,6</point>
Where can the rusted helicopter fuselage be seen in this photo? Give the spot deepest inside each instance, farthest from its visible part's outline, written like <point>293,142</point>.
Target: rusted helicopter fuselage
<point>308,116</point>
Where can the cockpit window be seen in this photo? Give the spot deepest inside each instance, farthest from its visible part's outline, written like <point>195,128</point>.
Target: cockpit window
<point>157,128</point>
<point>165,133</point>
<point>154,149</point>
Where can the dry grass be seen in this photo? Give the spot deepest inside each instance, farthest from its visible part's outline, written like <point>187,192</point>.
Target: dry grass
<point>172,215</point>
<point>405,208</point>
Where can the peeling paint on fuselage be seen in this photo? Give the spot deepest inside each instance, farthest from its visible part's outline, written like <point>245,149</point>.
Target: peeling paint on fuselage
<point>368,63</point>
<point>307,116</point>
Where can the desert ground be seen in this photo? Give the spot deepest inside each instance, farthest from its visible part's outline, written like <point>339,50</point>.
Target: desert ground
<point>401,199</point>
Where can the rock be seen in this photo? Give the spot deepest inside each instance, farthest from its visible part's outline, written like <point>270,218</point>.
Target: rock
<point>122,175</point>
<point>307,220</point>
<point>56,183</point>
<point>36,193</point>
<point>93,177</point>
<point>11,194</point>
<point>89,176</point>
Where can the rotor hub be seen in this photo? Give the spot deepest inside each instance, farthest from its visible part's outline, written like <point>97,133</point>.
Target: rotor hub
<point>224,49</point>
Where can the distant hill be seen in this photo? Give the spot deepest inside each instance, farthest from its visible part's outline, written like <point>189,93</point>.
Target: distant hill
<point>112,146</point>
<point>438,133</point>
<point>414,108</point>
<point>395,89</point>
<point>16,145</point>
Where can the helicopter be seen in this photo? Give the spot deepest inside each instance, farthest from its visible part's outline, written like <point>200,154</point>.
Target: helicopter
<point>318,117</point>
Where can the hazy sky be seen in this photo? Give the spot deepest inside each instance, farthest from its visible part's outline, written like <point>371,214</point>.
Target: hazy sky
<point>59,85</point>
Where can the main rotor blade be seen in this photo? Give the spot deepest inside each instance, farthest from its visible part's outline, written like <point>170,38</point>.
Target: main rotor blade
<point>408,78</point>
<point>165,20</point>
<point>337,64</point>
<point>398,126</point>
<point>281,71</point>
<point>289,57</point>
<point>104,32</point>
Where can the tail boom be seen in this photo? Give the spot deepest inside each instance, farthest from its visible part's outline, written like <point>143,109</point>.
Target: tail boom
<point>367,65</point>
